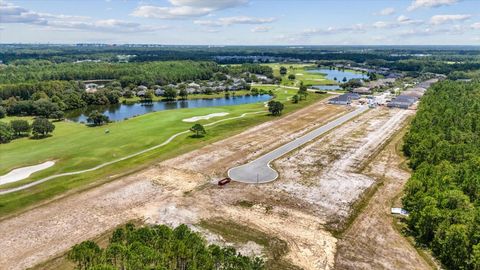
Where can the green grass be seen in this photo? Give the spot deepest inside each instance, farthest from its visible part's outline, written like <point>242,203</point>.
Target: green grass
<point>75,147</point>
<point>301,74</point>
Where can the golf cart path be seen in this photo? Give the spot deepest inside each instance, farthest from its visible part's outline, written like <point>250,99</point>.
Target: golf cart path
<point>260,171</point>
<point>37,182</point>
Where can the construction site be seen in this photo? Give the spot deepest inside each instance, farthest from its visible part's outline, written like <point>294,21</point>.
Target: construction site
<point>328,208</point>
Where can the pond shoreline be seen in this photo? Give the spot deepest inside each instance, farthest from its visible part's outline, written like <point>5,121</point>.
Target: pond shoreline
<point>121,111</point>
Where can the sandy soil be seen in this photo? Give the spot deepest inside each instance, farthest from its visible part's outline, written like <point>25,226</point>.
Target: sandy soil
<point>49,230</point>
<point>372,242</point>
<point>24,172</point>
<point>317,187</point>
<point>204,117</point>
<point>324,174</point>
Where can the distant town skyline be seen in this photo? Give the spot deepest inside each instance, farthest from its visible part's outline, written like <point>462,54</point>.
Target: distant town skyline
<point>242,22</point>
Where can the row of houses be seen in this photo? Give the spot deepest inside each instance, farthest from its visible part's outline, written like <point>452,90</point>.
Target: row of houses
<point>195,88</point>
<point>405,100</point>
<point>386,72</point>
<point>411,95</point>
<point>345,99</point>
<point>371,86</point>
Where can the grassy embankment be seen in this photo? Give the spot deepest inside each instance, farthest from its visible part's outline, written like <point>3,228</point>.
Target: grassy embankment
<point>76,147</point>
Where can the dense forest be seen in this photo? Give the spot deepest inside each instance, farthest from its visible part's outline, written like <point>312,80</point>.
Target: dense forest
<point>159,247</point>
<point>41,87</point>
<point>127,73</point>
<point>443,194</point>
<point>411,59</point>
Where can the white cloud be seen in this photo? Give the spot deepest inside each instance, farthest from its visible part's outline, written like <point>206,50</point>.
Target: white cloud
<point>402,19</point>
<point>261,29</point>
<point>234,20</point>
<point>183,9</point>
<point>418,32</point>
<point>181,12</point>
<point>382,24</point>
<point>213,4</point>
<point>386,11</point>
<point>16,14</point>
<point>416,4</point>
<point>356,28</point>
<point>109,25</point>
<point>475,25</point>
<point>441,19</point>
<point>455,30</point>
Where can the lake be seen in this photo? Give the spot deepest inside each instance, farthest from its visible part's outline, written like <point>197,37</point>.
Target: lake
<point>118,112</point>
<point>332,74</point>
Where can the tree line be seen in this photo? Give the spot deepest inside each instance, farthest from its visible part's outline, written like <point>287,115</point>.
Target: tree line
<point>443,194</point>
<point>47,89</point>
<point>19,128</point>
<point>159,247</point>
<point>127,73</point>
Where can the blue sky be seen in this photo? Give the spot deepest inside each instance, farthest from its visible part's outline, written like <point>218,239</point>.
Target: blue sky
<point>242,22</point>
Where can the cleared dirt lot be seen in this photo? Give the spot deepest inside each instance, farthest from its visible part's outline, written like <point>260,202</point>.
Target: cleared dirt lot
<point>315,194</point>
<point>325,174</point>
<point>371,242</point>
<point>48,230</point>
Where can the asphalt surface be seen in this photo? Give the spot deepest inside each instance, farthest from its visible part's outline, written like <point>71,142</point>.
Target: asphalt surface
<point>259,170</point>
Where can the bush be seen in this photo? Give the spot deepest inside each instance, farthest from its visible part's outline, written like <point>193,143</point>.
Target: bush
<point>6,133</point>
<point>275,107</point>
<point>57,115</point>
<point>198,129</point>
<point>97,119</point>
<point>41,127</point>
<point>3,112</point>
<point>20,127</point>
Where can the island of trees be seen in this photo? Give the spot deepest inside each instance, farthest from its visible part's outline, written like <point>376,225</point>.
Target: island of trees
<point>159,247</point>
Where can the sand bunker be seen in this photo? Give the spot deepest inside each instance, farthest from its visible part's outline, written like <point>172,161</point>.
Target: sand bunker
<point>24,172</point>
<point>205,117</point>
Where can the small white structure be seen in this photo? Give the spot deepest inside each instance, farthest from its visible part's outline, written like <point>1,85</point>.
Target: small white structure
<point>142,88</point>
<point>91,87</point>
<point>159,92</point>
<point>362,90</point>
<point>399,211</point>
<point>194,85</point>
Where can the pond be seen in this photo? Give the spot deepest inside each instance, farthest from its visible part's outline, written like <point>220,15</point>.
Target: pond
<point>118,112</point>
<point>332,74</point>
<point>326,87</point>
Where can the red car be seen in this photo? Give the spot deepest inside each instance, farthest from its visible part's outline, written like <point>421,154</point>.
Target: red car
<point>224,181</point>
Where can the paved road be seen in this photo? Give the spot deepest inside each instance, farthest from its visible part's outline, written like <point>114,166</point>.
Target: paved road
<point>293,87</point>
<point>260,171</point>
